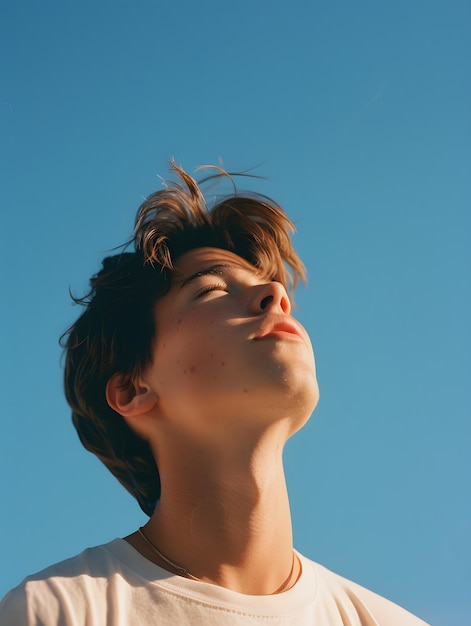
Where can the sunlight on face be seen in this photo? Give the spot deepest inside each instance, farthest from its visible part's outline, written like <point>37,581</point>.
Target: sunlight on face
<point>212,368</point>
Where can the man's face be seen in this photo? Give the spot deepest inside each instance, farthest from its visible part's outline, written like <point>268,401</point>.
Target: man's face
<point>228,355</point>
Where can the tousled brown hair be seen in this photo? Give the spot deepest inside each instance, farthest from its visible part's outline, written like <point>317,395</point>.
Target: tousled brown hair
<point>115,331</point>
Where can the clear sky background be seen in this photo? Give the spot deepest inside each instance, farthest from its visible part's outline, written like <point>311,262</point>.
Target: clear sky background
<point>358,115</point>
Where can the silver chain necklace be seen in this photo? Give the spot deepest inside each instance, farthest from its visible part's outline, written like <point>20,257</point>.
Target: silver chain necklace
<point>184,572</point>
<point>181,570</point>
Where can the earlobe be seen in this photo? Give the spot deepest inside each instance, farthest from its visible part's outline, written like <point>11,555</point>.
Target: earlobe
<point>129,398</point>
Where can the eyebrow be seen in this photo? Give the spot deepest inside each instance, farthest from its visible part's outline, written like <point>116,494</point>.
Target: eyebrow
<point>217,269</point>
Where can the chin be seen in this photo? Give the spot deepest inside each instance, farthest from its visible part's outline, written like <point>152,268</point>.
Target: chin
<point>300,385</point>
<point>307,405</point>
<point>298,398</point>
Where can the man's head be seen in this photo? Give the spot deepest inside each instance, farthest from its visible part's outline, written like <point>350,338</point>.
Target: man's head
<point>243,239</point>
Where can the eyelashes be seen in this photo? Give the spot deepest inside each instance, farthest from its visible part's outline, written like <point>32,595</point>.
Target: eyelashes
<point>209,288</point>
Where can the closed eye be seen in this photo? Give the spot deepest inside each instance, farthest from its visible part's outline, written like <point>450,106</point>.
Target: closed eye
<point>209,288</point>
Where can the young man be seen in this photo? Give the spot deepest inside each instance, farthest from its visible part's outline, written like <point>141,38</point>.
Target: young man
<point>186,374</point>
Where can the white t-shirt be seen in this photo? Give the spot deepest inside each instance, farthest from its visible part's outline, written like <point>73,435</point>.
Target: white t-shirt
<point>114,585</point>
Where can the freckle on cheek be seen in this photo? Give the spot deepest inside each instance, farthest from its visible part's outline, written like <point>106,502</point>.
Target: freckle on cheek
<point>193,369</point>
<point>245,390</point>
<point>223,363</point>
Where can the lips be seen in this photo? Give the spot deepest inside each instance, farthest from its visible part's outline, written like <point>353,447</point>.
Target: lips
<point>278,326</point>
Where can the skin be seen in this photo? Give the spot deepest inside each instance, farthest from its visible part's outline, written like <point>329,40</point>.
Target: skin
<point>231,379</point>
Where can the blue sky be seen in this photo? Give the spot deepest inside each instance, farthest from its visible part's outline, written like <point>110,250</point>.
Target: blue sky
<point>358,116</point>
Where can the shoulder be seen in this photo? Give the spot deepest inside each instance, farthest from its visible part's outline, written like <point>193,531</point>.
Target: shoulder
<point>350,599</point>
<point>47,594</point>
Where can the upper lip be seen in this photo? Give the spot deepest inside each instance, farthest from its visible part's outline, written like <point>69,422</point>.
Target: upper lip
<point>274,323</point>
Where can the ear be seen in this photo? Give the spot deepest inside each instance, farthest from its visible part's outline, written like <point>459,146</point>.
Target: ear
<point>129,399</point>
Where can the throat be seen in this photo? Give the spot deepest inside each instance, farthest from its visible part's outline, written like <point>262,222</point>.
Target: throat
<point>227,523</point>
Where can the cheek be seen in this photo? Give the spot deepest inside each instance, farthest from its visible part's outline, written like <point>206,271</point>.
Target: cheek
<point>190,355</point>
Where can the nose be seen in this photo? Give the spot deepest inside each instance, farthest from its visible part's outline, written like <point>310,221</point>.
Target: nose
<point>271,295</point>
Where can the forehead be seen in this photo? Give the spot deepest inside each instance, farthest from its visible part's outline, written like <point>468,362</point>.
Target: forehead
<point>196,260</point>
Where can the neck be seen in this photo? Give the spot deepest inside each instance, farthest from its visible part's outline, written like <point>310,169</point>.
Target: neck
<point>225,518</point>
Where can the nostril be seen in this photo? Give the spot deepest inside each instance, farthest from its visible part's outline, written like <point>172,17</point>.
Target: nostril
<point>265,302</point>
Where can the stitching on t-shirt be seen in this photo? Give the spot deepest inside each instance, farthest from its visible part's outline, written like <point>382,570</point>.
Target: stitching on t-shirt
<point>188,596</point>
<point>192,600</point>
